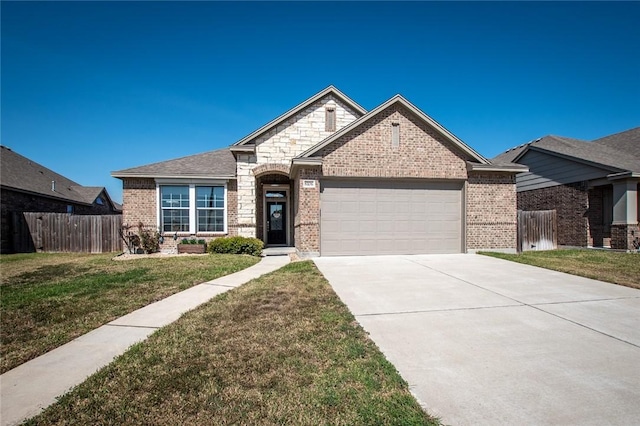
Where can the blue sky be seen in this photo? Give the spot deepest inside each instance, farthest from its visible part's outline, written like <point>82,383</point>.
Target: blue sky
<point>92,87</point>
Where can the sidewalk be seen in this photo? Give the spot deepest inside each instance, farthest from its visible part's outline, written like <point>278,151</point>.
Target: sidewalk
<point>34,385</point>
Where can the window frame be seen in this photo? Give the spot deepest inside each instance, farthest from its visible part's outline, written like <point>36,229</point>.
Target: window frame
<point>193,209</point>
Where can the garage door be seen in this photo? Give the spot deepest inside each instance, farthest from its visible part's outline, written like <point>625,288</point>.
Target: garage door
<point>390,217</point>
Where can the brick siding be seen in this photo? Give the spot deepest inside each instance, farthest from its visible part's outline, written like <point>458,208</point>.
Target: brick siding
<point>491,211</point>
<point>367,150</point>
<point>307,213</point>
<point>139,202</point>
<point>571,203</point>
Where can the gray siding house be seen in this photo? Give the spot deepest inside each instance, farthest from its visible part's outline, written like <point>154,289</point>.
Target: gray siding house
<point>593,186</point>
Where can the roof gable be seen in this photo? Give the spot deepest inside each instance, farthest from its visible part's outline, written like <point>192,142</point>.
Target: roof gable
<point>400,101</point>
<point>331,90</point>
<point>601,154</point>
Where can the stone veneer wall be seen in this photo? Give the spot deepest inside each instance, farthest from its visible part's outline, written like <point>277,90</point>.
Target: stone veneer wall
<point>367,151</point>
<point>571,203</point>
<point>491,211</point>
<point>278,146</point>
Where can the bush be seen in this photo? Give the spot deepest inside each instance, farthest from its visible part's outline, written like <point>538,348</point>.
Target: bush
<point>236,245</point>
<point>149,239</point>
<point>192,241</point>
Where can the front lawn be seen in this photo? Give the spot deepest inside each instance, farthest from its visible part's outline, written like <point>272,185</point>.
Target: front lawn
<point>281,349</point>
<point>48,299</point>
<point>614,267</point>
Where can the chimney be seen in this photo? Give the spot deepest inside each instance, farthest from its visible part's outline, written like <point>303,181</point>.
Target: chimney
<point>53,185</point>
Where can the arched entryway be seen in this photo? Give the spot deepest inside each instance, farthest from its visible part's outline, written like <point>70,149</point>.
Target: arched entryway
<point>274,212</point>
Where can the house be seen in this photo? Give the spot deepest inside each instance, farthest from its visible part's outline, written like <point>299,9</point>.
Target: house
<point>26,186</point>
<point>593,186</point>
<point>330,178</point>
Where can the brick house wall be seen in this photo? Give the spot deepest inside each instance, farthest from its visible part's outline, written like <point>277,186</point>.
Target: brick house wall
<point>139,202</point>
<point>491,211</point>
<point>139,205</point>
<point>307,211</point>
<point>571,203</point>
<point>367,151</point>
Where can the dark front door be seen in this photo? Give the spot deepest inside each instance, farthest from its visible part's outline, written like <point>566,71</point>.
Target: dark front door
<point>276,222</point>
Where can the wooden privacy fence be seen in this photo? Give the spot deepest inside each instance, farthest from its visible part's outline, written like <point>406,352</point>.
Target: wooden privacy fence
<point>63,232</point>
<point>537,230</point>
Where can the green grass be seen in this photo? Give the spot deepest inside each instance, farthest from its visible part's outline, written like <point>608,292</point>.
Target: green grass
<point>281,349</point>
<point>614,267</point>
<point>49,299</point>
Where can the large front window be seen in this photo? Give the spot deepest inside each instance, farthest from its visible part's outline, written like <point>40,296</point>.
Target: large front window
<point>192,208</point>
<point>175,208</point>
<point>210,207</point>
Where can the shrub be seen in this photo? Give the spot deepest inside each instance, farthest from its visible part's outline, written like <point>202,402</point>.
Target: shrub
<point>149,239</point>
<point>236,245</point>
<point>192,241</point>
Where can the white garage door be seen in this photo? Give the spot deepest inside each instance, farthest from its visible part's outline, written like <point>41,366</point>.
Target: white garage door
<point>390,217</point>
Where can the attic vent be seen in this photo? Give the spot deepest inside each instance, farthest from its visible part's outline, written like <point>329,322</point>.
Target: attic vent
<point>395,134</point>
<point>330,118</point>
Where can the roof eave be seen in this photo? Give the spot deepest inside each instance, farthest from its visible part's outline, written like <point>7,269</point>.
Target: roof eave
<point>51,197</point>
<point>298,108</point>
<point>502,168</point>
<point>243,149</point>
<point>297,163</point>
<point>624,175</point>
<point>169,176</point>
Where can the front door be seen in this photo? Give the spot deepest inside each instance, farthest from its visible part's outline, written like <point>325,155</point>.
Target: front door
<point>276,222</point>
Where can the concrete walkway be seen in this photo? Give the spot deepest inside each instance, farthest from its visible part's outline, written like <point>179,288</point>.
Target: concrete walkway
<point>34,385</point>
<point>484,341</point>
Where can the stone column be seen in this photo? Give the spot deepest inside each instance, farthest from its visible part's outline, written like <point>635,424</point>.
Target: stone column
<point>246,195</point>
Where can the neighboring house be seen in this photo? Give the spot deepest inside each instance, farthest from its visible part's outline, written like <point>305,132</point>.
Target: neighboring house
<point>26,186</point>
<point>329,178</point>
<point>593,186</point>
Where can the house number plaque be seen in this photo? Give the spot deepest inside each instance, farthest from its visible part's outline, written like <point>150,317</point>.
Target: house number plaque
<point>309,183</point>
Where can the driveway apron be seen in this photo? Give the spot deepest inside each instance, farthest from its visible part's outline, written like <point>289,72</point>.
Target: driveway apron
<point>488,341</point>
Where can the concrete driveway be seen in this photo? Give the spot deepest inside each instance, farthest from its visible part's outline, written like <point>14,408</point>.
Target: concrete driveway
<point>487,341</point>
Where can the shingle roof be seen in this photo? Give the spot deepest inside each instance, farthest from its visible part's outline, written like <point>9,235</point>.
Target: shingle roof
<point>213,164</point>
<point>22,174</point>
<point>627,142</point>
<point>603,152</point>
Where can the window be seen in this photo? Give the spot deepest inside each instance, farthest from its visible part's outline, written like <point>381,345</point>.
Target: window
<point>100,201</point>
<point>175,208</point>
<point>69,208</point>
<point>192,208</point>
<point>210,207</point>
<point>395,134</point>
<point>330,119</point>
